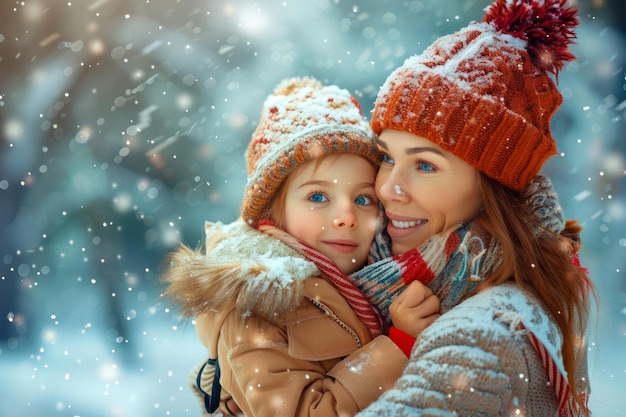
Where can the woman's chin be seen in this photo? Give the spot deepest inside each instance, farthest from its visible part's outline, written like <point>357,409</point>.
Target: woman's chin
<point>398,246</point>
<point>404,239</point>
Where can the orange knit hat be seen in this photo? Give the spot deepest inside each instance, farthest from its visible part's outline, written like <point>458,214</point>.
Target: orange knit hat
<point>484,92</point>
<point>301,121</point>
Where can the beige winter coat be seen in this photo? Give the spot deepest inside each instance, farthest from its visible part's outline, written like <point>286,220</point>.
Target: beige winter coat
<point>287,342</point>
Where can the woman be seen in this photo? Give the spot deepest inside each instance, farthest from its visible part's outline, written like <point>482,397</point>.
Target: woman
<point>464,128</point>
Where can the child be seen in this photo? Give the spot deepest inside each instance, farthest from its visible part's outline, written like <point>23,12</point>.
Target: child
<point>289,334</point>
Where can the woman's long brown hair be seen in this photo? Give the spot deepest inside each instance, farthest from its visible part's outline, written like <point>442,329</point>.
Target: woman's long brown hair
<point>541,263</point>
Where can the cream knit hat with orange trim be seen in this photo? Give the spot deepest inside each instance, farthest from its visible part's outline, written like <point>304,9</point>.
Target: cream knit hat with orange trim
<point>301,121</point>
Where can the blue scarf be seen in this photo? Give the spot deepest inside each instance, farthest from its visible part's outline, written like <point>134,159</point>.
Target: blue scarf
<point>450,264</point>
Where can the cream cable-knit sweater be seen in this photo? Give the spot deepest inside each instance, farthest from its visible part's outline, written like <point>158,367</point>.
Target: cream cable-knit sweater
<point>472,362</point>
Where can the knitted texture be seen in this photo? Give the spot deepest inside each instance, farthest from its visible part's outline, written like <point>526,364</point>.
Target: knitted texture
<point>495,354</point>
<point>543,201</point>
<point>446,263</point>
<point>484,93</point>
<point>301,121</point>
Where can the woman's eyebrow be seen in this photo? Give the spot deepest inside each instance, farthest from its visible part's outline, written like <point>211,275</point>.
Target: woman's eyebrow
<point>412,151</point>
<point>420,149</point>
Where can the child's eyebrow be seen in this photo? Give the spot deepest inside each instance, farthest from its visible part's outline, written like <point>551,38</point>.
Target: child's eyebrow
<point>314,182</point>
<point>320,183</point>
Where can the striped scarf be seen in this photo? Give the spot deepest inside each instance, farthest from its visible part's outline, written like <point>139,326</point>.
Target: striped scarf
<point>361,306</point>
<point>451,264</point>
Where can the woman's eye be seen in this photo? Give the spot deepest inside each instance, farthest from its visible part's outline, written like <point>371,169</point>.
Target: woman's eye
<point>318,198</point>
<point>387,159</point>
<point>363,200</point>
<point>425,167</point>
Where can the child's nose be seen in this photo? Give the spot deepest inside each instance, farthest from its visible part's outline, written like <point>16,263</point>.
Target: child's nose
<point>345,219</point>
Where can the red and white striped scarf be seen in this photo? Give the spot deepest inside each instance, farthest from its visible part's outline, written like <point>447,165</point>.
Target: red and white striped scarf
<point>361,306</point>
<point>557,378</point>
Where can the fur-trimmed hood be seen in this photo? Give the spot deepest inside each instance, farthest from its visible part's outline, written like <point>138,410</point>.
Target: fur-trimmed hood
<point>242,267</point>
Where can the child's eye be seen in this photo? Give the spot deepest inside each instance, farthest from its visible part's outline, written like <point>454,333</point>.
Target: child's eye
<point>363,200</point>
<point>425,167</point>
<point>318,198</point>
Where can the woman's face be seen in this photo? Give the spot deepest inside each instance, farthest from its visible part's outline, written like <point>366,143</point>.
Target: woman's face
<point>424,189</point>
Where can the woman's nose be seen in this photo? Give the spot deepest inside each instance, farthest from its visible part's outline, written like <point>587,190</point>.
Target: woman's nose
<point>391,189</point>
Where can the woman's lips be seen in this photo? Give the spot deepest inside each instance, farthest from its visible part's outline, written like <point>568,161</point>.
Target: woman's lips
<point>400,226</point>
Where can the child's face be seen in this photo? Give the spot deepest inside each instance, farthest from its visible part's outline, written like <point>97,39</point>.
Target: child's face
<point>333,208</point>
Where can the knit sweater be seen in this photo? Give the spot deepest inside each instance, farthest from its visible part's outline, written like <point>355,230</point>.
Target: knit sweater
<point>477,360</point>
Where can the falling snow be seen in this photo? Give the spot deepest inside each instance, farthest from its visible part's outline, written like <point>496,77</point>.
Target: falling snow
<point>123,126</point>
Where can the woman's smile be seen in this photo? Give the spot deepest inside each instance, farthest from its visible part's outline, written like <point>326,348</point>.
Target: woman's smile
<point>401,227</point>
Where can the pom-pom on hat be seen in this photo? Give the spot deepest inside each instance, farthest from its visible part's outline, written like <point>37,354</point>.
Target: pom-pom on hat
<point>484,93</point>
<point>301,121</point>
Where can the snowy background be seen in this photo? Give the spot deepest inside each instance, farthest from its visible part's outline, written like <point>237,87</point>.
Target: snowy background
<point>123,126</point>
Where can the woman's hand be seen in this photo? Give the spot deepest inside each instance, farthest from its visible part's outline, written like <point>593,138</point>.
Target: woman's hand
<point>414,309</point>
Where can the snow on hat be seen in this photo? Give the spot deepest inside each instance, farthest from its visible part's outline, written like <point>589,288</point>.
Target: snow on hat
<point>301,121</point>
<point>484,92</point>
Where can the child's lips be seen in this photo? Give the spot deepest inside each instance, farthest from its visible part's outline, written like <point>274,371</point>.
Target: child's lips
<point>342,245</point>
